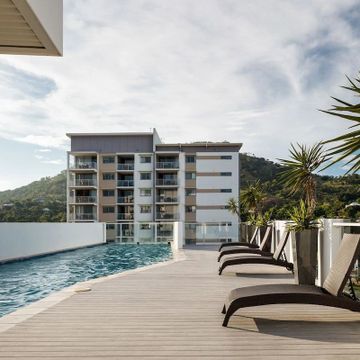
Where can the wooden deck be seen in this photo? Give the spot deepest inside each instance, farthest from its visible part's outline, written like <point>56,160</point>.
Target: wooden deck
<point>173,312</point>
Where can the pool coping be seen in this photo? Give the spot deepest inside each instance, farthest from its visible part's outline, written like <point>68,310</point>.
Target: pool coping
<point>28,311</point>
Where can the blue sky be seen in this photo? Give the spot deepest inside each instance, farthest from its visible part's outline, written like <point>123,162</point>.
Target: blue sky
<point>245,71</point>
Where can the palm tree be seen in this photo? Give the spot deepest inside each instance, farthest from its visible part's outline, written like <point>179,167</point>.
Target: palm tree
<point>233,206</point>
<point>349,148</point>
<point>252,197</point>
<point>299,172</point>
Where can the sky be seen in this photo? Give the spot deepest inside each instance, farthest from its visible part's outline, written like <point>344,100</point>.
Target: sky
<point>254,72</point>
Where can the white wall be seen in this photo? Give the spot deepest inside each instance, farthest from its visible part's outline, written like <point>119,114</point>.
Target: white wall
<point>23,240</point>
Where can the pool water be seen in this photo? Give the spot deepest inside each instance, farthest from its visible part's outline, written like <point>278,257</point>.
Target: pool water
<point>23,282</point>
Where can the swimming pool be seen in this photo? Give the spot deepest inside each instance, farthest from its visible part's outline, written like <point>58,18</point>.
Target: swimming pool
<point>23,282</point>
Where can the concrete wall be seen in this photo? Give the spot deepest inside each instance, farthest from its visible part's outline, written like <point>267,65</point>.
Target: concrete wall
<point>24,240</point>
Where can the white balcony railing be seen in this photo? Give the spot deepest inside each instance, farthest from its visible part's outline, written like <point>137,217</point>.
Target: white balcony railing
<point>125,167</point>
<point>82,216</point>
<point>167,216</point>
<point>83,199</point>
<point>82,182</point>
<point>167,165</point>
<point>125,199</point>
<point>167,199</point>
<point>125,216</point>
<point>125,183</point>
<point>166,182</point>
<point>84,165</point>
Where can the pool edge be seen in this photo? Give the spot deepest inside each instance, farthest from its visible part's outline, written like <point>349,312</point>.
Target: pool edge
<point>28,311</point>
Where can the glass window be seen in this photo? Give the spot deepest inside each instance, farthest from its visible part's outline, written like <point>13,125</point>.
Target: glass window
<point>225,174</point>
<point>145,159</point>
<point>190,192</point>
<point>145,226</point>
<point>108,159</point>
<point>190,209</point>
<point>110,226</point>
<point>107,193</point>
<point>108,176</point>
<point>190,158</point>
<point>226,157</point>
<point>145,192</point>
<point>190,175</point>
<point>145,209</point>
<point>226,190</point>
<point>145,176</point>
<point>108,209</point>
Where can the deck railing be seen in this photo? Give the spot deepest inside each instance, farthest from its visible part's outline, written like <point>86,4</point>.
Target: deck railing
<point>125,167</point>
<point>125,183</point>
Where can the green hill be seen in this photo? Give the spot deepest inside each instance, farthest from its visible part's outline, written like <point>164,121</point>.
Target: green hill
<point>45,200</point>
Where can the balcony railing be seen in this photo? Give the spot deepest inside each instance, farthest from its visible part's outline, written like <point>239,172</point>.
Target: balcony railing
<point>167,216</point>
<point>126,167</point>
<point>125,199</point>
<point>167,165</point>
<point>166,182</point>
<point>83,199</point>
<point>84,165</point>
<point>82,217</point>
<point>125,216</point>
<point>126,233</point>
<point>125,183</point>
<point>167,199</point>
<point>83,182</point>
<point>165,233</point>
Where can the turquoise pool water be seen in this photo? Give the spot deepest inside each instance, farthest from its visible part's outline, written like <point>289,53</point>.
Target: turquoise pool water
<point>23,282</point>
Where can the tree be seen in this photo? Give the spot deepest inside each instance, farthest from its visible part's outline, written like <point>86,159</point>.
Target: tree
<point>299,172</point>
<point>253,197</point>
<point>349,148</point>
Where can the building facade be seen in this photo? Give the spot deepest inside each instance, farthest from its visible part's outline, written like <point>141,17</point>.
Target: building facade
<point>133,178</point>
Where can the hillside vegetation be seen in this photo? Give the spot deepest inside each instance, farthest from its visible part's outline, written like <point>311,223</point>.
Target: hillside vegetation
<point>45,199</point>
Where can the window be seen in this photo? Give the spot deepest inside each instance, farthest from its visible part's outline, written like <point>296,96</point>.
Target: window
<point>190,175</point>
<point>145,192</point>
<point>226,157</point>
<point>145,226</point>
<point>225,174</point>
<point>107,193</point>
<point>190,159</point>
<point>110,226</point>
<point>145,209</point>
<point>108,159</point>
<point>225,190</point>
<point>108,176</point>
<point>145,159</point>
<point>108,209</point>
<point>190,209</point>
<point>190,192</point>
<point>145,176</point>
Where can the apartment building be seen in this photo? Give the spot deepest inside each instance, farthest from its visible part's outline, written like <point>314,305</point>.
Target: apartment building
<point>133,178</point>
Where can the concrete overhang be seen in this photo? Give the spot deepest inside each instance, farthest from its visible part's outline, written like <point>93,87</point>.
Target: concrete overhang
<point>31,27</point>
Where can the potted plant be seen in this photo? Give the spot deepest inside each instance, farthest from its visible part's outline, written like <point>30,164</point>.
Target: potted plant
<point>299,176</point>
<point>305,244</point>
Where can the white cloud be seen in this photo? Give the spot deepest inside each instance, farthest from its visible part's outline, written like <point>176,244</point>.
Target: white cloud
<point>253,72</point>
<point>54,161</point>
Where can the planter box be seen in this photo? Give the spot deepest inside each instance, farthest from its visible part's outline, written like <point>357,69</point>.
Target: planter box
<point>305,248</point>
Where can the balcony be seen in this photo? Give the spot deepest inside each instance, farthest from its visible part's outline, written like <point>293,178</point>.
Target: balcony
<point>82,199</point>
<point>125,183</point>
<point>125,199</point>
<point>125,216</point>
<point>167,199</point>
<point>167,216</point>
<point>125,167</point>
<point>84,165</point>
<point>167,165</point>
<point>166,182</point>
<point>82,217</point>
<point>83,182</point>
